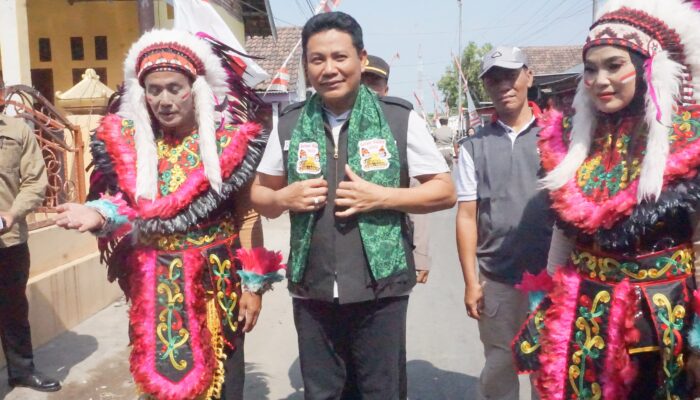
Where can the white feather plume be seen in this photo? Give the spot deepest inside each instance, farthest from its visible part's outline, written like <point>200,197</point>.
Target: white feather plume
<point>204,106</point>
<point>666,83</point>
<point>135,108</point>
<point>583,126</point>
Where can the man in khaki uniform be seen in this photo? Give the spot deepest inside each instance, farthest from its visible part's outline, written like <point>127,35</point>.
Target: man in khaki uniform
<point>22,186</point>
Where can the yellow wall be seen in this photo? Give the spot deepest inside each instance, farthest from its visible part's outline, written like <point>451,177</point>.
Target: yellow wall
<point>59,21</point>
<point>118,20</point>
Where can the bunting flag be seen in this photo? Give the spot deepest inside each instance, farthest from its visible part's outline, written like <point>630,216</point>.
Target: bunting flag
<point>436,98</point>
<point>196,16</point>
<point>474,118</point>
<point>395,58</point>
<point>280,83</point>
<point>462,79</point>
<point>325,5</point>
<point>281,78</point>
<point>420,106</point>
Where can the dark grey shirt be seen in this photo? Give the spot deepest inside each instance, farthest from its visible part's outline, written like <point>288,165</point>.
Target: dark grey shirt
<point>514,221</point>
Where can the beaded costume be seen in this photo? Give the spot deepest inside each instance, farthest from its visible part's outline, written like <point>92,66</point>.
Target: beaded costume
<point>177,212</point>
<point>616,320</point>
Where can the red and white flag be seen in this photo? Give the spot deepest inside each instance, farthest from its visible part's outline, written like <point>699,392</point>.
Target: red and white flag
<point>280,83</point>
<point>199,16</point>
<point>325,5</point>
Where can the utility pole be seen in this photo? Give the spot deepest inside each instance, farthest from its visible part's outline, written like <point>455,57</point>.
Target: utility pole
<point>595,9</point>
<point>459,79</point>
<point>146,15</point>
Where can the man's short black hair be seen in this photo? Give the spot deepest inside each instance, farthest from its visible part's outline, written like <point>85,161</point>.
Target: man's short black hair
<point>332,20</point>
<point>443,121</point>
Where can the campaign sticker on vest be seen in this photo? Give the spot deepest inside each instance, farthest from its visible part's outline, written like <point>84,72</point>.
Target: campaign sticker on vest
<point>374,155</point>
<point>308,160</point>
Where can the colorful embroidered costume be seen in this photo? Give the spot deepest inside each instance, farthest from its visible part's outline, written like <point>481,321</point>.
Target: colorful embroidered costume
<point>174,237</point>
<point>616,320</point>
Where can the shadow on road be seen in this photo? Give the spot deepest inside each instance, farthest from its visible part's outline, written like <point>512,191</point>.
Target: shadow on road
<point>256,381</point>
<point>426,382</point>
<point>295,381</point>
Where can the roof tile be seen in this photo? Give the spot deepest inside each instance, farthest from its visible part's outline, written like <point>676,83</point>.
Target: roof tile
<point>275,52</point>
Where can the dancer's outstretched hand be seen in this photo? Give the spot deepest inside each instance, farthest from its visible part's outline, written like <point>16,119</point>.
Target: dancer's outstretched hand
<point>78,216</point>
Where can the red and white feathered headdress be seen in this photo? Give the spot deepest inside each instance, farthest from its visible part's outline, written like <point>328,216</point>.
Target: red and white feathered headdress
<point>666,34</point>
<point>212,73</point>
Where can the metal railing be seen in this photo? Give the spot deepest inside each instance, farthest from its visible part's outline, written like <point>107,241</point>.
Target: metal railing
<point>60,141</point>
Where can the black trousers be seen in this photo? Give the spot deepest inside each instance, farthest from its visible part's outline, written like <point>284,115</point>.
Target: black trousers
<point>14,310</point>
<point>234,367</point>
<point>352,351</point>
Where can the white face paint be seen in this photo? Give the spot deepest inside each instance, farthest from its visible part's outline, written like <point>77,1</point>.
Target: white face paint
<point>610,78</point>
<point>169,95</point>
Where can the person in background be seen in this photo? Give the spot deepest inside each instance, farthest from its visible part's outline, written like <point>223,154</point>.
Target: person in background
<point>376,77</point>
<point>503,218</point>
<point>23,185</point>
<point>444,139</point>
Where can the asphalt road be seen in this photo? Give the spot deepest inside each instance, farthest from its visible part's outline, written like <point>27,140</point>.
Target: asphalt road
<point>444,352</point>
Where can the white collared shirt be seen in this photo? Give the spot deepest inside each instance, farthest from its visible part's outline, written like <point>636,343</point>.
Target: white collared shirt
<point>465,173</point>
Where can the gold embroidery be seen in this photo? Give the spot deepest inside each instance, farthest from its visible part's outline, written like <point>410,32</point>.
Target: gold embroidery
<point>227,303</point>
<point>604,268</point>
<point>525,346</point>
<point>170,314</point>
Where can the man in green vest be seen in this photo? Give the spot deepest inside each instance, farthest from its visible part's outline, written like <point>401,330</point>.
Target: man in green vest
<point>340,163</point>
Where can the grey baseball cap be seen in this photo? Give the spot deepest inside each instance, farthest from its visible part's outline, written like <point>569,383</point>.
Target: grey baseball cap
<point>504,57</point>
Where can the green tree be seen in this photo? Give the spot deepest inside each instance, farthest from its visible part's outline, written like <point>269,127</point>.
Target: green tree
<point>471,61</point>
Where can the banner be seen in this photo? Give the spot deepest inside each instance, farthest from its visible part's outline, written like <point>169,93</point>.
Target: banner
<point>199,16</point>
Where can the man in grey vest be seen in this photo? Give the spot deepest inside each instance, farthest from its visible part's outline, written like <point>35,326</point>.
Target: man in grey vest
<point>503,219</point>
<point>340,163</point>
<point>444,139</point>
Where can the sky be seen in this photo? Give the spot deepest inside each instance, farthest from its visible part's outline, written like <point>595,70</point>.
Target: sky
<point>431,28</point>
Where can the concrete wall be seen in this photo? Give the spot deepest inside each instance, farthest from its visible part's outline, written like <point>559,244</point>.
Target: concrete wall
<point>67,283</point>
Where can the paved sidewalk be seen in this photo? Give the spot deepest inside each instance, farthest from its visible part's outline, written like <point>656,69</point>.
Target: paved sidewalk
<point>444,352</point>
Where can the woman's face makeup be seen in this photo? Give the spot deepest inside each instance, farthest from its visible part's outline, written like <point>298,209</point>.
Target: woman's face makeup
<point>610,78</point>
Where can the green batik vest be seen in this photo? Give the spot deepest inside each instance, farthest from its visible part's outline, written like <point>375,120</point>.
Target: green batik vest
<point>373,155</point>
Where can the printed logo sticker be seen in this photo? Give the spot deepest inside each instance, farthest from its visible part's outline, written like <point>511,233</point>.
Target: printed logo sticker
<point>286,145</point>
<point>374,155</point>
<point>308,161</point>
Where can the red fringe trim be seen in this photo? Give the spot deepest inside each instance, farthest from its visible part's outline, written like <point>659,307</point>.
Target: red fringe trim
<point>575,207</point>
<point>123,155</point>
<point>143,325</point>
<point>557,334</point>
<point>619,373</point>
<point>541,282</point>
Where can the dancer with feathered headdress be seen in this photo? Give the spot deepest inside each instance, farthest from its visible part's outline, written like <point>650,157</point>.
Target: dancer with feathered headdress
<point>173,168</point>
<point>620,321</point>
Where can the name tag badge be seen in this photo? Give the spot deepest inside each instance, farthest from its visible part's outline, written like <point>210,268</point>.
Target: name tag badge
<point>373,155</point>
<point>308,160</point>
<point>286,145</point>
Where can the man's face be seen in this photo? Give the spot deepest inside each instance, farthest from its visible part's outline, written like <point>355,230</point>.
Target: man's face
<point>169,95</point>
<point>334,67</point>
<point>508,88</point>
<point>375,82</point>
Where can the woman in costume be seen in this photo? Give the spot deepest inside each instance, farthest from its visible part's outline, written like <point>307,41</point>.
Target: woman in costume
<point>619,321</point>
<point>173,168</point>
